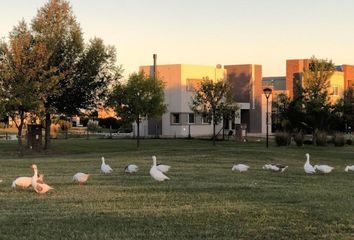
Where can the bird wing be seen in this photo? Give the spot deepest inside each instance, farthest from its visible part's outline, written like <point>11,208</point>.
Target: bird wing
<point>163,168</point>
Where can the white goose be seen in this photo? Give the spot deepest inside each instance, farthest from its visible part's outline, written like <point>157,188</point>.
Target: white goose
<point>323,168</point>
<point>25,182</point>
<point>105,168</point>
<point>307,166</point>
<point>240,167</point>
<point>131,168</point>
<point>349,168</point>
<point>275,167</point>
<point>156,173</point>
<point>81,177</point>
<point>37,184</point>
<point>161,167</point>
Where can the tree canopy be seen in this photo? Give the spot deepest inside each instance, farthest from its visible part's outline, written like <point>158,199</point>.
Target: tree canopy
<point>21,73</point>
<point>141,96</point>
<point>213,100</point>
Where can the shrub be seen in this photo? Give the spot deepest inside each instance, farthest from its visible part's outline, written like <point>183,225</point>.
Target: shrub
<point>349,142</point>
<point>321,138</point>
<point>338,139</point>
<point>299,139</point>
<point>64,125</point>
<point>92,126</point>
<point>109,122</point>
<point>282,138</point>
<point>2,125</point>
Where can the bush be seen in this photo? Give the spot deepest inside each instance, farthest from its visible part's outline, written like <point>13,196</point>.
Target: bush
<point>349,142</point>
<point>109,122</point>
<point>64,125</point>
<point>92,126</point>
<point>321,138</point>
<point>2,125</point>
<point>282,138</point>
<point>338,139</point>
<point>299,139</point>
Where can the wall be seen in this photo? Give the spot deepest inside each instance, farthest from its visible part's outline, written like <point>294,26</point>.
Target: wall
<point>178,98</point>
<point>246,81</point>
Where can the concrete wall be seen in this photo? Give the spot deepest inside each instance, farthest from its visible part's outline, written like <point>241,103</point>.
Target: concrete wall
<point>348,76</point>
<point>246,81</point>
<point>294,68</point>
<point>336,88</point>
<point>178,98</point>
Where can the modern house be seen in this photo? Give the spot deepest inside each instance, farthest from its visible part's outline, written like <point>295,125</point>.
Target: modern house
<point>247,84</point>
<point>180,81</point>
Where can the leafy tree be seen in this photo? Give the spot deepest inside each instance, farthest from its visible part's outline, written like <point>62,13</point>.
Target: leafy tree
<point>141,96</point>
<point>343,113</point>
<point>214,100</point>
<point>94,72</point>
<point>289,113</point>
<point>21,73</point>
<point>315,92</point>
<point>84,72</point>
<point>56,27</point>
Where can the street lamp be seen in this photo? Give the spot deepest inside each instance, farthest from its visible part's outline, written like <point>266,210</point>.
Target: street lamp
<point>267,92</point>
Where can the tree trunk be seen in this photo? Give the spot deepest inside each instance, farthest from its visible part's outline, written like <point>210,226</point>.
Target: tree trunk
<point>19,138</point>
<point>213,133</point>
<point>48,122</point>
<point>138,133</point>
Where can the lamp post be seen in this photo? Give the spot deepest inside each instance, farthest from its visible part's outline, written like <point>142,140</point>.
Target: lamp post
<point>267,92</point>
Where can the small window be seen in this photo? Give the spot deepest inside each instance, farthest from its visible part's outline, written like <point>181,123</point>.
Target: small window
<point>191,118</point>
<point>175,118</point>
<point>335,91</point>
<point>206,119</point>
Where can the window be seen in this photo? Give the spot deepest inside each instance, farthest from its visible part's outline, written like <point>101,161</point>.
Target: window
<point>192,84</point>
<point>175,119</point>
<point>335,91</point>
<point>191,118</point>
<point>206,119</point>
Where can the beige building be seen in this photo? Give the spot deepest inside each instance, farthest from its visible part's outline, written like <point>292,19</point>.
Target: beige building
<point>180,81</point>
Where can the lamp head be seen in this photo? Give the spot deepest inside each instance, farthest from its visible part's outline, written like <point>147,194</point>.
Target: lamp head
<point>267,92</point>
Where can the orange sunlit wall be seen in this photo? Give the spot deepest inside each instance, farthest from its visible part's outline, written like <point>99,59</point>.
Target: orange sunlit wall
<point>294,68</point>
<point>348,76</point>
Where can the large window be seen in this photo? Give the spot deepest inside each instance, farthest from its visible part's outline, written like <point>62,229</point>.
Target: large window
<point>191,118</point>
<point>175,118</point>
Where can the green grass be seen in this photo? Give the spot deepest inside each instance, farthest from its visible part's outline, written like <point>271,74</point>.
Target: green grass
<point>203,200</point>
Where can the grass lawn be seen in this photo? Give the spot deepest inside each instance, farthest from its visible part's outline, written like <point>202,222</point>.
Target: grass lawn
<point>203,200</point>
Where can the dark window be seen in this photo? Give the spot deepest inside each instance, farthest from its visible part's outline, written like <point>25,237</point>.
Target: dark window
<point>175,118</point>
<point>191,118</point>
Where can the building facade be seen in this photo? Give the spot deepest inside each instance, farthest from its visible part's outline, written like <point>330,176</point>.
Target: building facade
<point>180,81</point>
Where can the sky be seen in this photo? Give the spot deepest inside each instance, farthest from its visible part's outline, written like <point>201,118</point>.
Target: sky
<point>206,32</point>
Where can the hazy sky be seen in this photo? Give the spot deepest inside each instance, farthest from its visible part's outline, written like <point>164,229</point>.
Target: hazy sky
<point>209,32</point>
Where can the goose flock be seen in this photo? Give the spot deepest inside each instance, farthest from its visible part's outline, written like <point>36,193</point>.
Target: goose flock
<point>281,168</point>
<point>157,172</point>
<point>37,180</point>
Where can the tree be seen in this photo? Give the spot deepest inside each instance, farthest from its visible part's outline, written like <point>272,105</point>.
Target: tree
<point>213,100</point>
<point>141,96</point>
<point>92,75</point>
<point>56,27</point>
<point>21,72</point>
<point>289,115</point>
<point>343,113</point>
<point>315,92</point>
<point>83,72</point>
